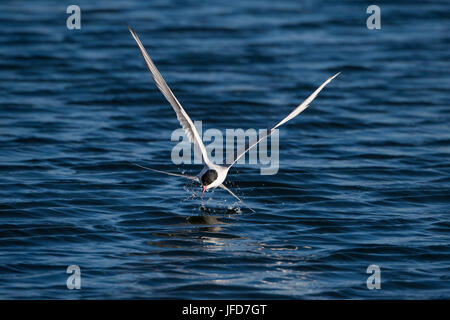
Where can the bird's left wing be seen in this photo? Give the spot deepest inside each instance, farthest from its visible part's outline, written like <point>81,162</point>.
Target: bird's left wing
<point>182,116</point>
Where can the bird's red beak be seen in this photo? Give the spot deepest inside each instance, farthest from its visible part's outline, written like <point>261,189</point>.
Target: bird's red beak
<point>203,191</point>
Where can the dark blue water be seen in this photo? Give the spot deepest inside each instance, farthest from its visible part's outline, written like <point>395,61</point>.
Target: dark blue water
<point>364,172</point>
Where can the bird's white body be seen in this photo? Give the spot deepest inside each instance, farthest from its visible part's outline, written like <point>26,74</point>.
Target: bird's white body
<point>221,174</point>
<point>193,135</point>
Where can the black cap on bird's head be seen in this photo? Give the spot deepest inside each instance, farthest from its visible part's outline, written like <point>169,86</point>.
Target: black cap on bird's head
<point>207,178</point>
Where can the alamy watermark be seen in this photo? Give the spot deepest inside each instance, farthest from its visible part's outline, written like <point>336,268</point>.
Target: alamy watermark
<point>74,280</point>
<point>374,281</point>
<point>74,20</point>
<point>374,20</point>
<point>222,150</point>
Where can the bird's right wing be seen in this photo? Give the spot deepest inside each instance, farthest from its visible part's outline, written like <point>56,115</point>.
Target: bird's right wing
<point>182,116</point>
<point>290,116</point>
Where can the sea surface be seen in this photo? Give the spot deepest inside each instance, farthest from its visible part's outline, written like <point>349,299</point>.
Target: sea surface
<point>364,172</point>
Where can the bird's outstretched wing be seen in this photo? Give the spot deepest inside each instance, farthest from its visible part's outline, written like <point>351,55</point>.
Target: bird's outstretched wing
<point>182,116</point>
<point>292,115</point>
<point>232,193</point>
<point>168,173</point>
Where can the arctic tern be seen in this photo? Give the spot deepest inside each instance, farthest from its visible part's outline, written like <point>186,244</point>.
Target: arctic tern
<point>212,175</point>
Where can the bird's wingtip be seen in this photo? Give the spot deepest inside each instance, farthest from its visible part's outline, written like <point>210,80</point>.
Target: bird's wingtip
<point>332,77</point>
<point>129,28</point>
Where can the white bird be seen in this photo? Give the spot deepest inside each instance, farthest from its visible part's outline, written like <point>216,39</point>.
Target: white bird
<point>212,175</point>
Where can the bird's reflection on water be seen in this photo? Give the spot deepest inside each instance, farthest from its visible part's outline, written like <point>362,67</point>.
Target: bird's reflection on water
<point>203,229</point>
<point>207,220</point>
